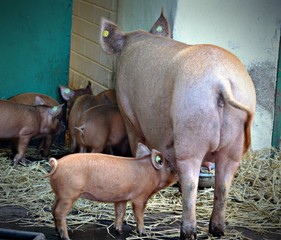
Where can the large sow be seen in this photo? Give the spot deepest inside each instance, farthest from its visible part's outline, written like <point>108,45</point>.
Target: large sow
<point>200,99</point>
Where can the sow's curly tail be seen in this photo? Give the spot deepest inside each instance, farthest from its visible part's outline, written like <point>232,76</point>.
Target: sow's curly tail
<point>53,163</point>
<point>226,92</point>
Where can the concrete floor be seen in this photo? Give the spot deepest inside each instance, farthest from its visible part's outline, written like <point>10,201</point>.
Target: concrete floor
<point>10,219</point>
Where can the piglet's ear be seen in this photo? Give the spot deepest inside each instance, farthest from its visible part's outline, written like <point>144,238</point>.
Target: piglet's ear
<point>66,93</point>
<point>161,27</point>
<point>142,150</point>
<point>112,38</point>
<point>39,101</point>
<point>157,159</point>
<point>88,88</point>
<point>56,110</point>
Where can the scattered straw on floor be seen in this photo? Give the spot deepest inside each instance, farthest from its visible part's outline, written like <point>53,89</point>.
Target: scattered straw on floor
<point>254,200</point>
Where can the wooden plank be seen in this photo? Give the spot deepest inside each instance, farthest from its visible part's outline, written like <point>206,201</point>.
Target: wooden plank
<point>86,29</point>
<point>107,4</point>
<point>80,81</point>
<point>86,67</point>
<point>91,12</point>
<point>88,62</point>
<point>91,50</point>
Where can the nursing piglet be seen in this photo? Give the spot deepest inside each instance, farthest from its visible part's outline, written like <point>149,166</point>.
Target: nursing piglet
<point>107,178</point>
<point>29,98</point>
<point>23,122</point>
<point>101,127</point>
<point>82,104</point>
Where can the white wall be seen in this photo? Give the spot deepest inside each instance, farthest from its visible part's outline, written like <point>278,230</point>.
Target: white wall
<point>248,28</point>
<point>251,30</point>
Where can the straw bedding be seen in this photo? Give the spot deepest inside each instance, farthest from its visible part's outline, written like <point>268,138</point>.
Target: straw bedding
<point>253,203</point>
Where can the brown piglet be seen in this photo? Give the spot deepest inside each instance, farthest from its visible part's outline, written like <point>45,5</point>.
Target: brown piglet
<point>102,127</point>
<point>107,178</point>
<point>23,122</point>
<point>29,98</point>
<point>83,103</point>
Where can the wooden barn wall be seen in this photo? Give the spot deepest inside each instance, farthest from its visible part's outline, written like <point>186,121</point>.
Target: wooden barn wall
<point>88,62</point>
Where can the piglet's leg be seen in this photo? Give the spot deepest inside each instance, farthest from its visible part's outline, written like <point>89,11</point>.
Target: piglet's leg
<point>45,146</point>
<point>138,208</point>
<point>60,210</point>
<point>82,149</point>
<point>120,210</point>
<point>22,145</point>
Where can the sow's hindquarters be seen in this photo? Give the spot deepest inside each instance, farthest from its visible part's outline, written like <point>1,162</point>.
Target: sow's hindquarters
<point>194,95</point>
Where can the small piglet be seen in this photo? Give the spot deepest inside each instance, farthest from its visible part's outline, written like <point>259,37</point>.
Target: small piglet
<point>83,103</point>
<point>23,122</point>
<point>101,127</point>
<point>29,98</point>
<point>107,178</point>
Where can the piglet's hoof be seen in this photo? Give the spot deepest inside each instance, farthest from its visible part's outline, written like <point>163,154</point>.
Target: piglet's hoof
<point>142,233</point>
<point>118,231</point>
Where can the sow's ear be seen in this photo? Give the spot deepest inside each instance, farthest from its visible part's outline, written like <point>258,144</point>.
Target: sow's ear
<point>142,150</point>
<point>161,27</point>
<point>112,38</point>
<point>157,159</point>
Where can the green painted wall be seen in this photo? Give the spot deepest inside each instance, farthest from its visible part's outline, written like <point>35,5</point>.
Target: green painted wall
<point>34,46</point>
<point>276,135</point>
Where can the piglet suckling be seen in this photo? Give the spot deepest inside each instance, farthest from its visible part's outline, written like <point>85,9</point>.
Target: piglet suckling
<point>22,122</point>
<point>83,103</point>
<point>33,99</point>
<point>108,178</point>
<point>100,127</point>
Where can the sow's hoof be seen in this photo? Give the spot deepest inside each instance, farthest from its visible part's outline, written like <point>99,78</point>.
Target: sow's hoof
<point>188,234</point>
<point>216,230</point>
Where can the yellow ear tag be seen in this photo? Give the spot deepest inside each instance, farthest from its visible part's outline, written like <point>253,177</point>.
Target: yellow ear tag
<point>105,33</point>
<point>55,108</point>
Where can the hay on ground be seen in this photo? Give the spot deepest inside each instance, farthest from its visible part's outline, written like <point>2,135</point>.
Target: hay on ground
<point>254,200</point>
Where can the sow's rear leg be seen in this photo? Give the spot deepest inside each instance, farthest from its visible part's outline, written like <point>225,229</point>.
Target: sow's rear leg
<point>189,170</point>
<point>227,163</point>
